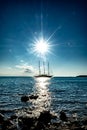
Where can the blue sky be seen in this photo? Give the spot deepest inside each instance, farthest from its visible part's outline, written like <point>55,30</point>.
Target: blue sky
<point>21,21</point>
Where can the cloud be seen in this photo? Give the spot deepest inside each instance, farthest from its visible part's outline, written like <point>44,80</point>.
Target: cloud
<point>28,71</point>
<point>26,68</point>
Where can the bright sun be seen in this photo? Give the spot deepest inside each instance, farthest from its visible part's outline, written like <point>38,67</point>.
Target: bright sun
<point>41,47</point>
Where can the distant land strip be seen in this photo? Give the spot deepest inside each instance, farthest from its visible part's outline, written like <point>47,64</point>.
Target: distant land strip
<point>81,76</point>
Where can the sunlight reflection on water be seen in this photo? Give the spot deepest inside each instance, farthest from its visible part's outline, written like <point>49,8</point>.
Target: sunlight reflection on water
<point>44,100</point>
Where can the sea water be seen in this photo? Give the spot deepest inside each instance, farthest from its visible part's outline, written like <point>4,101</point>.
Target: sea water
<point>58,93</point>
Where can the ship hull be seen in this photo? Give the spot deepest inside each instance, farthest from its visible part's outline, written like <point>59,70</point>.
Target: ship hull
<point>44,76</point>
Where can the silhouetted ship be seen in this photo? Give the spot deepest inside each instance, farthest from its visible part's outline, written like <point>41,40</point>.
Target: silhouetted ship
<point>44,75</point>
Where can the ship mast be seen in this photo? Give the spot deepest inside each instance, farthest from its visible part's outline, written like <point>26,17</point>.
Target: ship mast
<point>44,73</point>
<point>44,67</point>
<point>39,68</point>
<point>48,68</point>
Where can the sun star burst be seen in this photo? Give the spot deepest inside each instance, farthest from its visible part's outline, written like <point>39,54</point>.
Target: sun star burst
<point>41,47</point>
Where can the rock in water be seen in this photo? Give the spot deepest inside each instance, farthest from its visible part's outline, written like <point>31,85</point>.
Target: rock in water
<point>45,117</point>
<point>26,122</point>
<point>9,125</point>
<point>63,116</point>
<point>33,96</point>
<point>43,120</point>
<point>24,98</point>
<point>1,118</point>
<point>13,117</point>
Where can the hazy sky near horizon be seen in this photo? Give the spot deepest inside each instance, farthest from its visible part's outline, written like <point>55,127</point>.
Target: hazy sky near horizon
<point>63,22</point>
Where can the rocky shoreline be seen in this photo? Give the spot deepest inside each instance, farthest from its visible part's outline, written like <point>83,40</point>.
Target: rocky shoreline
<point>45,120</point>
<point>40,119</point>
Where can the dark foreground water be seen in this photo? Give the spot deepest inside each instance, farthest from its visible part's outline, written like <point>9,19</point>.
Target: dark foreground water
<point>69,94</point>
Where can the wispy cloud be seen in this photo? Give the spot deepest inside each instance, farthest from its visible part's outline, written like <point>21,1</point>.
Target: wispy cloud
<point>26,68</point>
<point>28,71</point>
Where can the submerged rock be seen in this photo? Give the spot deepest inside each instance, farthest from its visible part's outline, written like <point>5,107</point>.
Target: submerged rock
<point>63,116</point>
<point>33,96</point>
<point>24,98</point>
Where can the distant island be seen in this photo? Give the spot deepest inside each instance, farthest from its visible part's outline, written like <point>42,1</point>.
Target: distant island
<point>81,76</point>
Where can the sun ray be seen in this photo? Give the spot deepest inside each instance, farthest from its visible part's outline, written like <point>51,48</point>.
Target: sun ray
<point>53,33</point>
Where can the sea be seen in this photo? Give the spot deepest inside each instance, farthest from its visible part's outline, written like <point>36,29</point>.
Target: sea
<point>58,93</point>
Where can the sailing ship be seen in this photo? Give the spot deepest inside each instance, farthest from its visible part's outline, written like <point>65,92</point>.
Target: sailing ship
<point>47,75</point>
